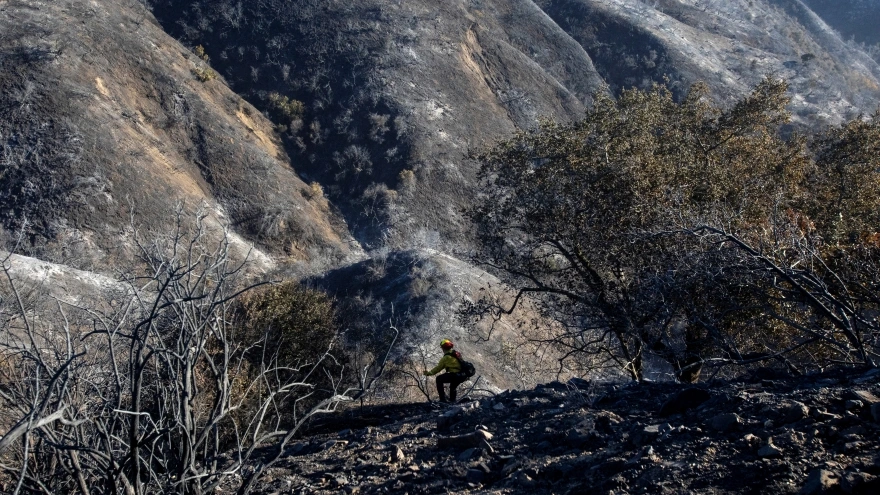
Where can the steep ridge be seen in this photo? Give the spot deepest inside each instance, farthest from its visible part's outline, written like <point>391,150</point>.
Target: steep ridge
<point>729,45</point>
<point>104,118</point>
<point>397,95</point>
<point>855,19</point>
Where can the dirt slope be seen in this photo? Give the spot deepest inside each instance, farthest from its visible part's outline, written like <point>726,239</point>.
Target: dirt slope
<point>397,94</point>
<point>103,115</point>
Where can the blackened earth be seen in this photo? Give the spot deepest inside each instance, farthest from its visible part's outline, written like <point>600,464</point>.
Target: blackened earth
<point>808,435</point>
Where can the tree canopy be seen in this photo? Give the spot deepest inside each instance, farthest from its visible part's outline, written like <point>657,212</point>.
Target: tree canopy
<point>691,231</point>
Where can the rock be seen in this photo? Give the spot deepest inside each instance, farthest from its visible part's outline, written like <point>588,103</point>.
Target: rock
<point>875,412</point>
<point>475,439</point>
<point>792,438</point>
<point>576,438</point>
<point>860,483</point>
<point>498,407</point>
<point>853,404</point>
<point>751,441</point>
<point>329,444</point>
<point>769,450</point>
<point>608,417</point>
<point>796,412</point>
<point>862,396</point>
<point>475,476</point>
<point>449,417</point>
<point>646,435</point>
<point>524,479</point>
<point>510,466</point>
<point>821,416</point>
<point>820,481</point>
<point>468,454</point>
<point>398,455</point>
<point>725,422</point>
<point>685,400</point>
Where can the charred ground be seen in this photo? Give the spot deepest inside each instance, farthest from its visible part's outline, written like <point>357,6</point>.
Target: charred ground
<point>763,434</point>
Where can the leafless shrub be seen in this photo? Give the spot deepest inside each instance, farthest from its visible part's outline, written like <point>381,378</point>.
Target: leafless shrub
<point>165,390</point>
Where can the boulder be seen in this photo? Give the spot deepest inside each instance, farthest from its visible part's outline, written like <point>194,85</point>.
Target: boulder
<point>863,396</point>
<point>685,400</point>
<point>795,412</point>
<point>769,450</point>
<point>725,422</point>
<point>820,481</point>
<point>875,412</point>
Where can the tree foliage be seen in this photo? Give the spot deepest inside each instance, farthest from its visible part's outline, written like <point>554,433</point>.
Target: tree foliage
<point>686,230</point>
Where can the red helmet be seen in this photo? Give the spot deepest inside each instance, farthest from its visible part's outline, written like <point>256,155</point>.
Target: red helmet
<point>446,344</point>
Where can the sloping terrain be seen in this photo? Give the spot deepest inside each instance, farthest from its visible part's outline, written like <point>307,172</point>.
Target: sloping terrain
<point>728,44</point>
<point>815,435</point>
<point>852,18</point>
<point>398,94</point>
<point>334,140</point>
<point>104,118</point>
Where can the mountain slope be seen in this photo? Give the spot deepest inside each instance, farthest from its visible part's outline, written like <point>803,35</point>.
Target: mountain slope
<point>852,18</point>
<point>103,117</point>
<point>398,94</point>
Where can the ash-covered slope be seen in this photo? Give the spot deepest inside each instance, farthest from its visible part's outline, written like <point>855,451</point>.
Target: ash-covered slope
<point>104,118</point>
<point>103,113</point>
<point>857,19</point>
<point>728,44</point>
<point>397,94</point>
<point>814,435</point>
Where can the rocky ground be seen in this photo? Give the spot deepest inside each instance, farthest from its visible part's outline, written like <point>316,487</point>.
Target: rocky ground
<point>761,435</point>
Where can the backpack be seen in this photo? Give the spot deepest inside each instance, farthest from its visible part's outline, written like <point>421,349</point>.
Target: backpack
<point>467,368</point>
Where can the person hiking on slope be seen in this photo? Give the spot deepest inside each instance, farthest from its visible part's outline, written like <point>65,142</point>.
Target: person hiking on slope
<point>453,376</point>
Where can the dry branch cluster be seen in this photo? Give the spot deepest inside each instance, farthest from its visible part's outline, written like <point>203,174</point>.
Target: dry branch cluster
<point>175,385</point>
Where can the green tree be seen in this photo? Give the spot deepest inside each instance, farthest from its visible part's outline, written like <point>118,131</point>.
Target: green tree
<point>669,227</point>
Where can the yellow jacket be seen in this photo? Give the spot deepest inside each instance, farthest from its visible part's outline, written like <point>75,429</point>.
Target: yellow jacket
<point>447,362</point>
